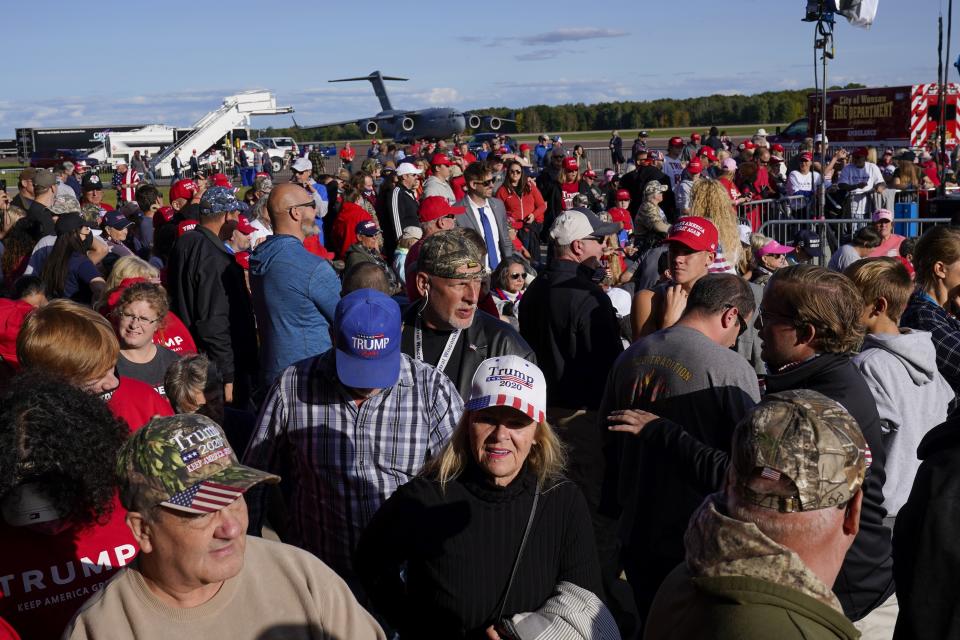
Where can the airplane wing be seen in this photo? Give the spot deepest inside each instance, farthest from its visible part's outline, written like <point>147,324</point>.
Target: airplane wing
<point>379,119</point>
<point>341,123</point>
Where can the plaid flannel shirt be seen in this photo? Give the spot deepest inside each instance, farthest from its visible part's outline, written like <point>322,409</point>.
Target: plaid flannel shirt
<point>340,462</point>
<point>924,314</point>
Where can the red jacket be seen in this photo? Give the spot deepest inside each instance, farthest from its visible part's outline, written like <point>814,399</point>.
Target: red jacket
<point>519,207</point>
<point>343,231</point>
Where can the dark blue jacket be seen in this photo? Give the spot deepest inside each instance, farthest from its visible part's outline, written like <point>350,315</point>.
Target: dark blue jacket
<point>295,294</point>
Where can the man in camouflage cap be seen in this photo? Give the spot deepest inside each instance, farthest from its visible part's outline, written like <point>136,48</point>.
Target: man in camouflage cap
<point>445,328</point>
<point>183,489</point>
<point>762,556</point>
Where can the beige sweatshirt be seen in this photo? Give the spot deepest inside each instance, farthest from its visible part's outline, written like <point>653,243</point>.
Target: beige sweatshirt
<point>281,592</point>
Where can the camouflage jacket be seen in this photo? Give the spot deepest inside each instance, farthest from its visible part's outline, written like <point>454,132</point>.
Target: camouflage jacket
<point>739,584</point>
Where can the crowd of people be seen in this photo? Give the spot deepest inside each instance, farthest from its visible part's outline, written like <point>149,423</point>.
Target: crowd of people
<point>503,394</point>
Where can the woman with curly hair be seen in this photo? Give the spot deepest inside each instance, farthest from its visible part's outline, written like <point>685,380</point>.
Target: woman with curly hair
<point>129,270</point>
<point>61,517</point>
<point>711,201</point>
<point>141,310</point>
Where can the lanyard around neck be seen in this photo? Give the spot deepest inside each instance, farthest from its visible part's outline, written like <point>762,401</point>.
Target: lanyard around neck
<point>447,349</point>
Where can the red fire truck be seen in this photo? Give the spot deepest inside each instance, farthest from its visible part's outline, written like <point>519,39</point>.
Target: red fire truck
<point>880,116</point>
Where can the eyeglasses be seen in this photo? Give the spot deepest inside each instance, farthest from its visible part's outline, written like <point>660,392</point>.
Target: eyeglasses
<point>132,319</point>
<point>740,321</point>
<point>311,204</point>
<point>516,171</point>
<point>516,276</point>
<point>485,183</point>
<point>450,216</point>
<point>764,317</point>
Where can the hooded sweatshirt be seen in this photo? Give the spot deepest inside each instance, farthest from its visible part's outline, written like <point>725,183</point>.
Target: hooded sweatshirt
<point>295,295</point>
<point>912,398</point>
<point>737,583</point>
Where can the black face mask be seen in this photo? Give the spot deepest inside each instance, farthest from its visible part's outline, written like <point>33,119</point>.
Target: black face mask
<point>87,243</point>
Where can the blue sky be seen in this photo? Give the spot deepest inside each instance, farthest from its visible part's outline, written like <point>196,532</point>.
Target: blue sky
<point>174,61</point>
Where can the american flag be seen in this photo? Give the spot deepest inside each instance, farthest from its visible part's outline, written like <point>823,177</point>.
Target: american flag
<point>770,474</point>
<point>204,497</point>
<point>506,401</point>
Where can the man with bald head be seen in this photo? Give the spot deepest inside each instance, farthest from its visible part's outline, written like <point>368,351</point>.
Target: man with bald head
<point>295,292</point>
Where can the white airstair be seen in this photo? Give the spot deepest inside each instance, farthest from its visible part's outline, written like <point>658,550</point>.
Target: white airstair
<point>234,113</point>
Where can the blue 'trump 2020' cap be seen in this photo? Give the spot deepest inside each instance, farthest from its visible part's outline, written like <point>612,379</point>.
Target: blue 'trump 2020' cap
<point>367,328</point>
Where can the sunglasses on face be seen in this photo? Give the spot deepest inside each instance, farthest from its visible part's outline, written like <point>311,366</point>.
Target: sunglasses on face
<point>311,204</point>
<point>740,321</point>
<point>485,183</point>
<point>516,276</point>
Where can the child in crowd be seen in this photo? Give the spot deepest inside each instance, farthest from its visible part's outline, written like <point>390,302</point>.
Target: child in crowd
<point>900,367</point>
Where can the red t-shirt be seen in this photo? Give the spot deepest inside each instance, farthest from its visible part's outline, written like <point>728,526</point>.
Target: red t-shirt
<point>622,216</point>
<point>45,578</point>
<point>347,155</point>
<point>174,336</point>
<point>569,189</point>
<point>136,403</point>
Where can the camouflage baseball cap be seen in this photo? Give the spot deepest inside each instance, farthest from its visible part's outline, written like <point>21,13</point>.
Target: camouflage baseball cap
<point>263,184</point>
<point>183,462</point>
<point>446,252</point>
<point>219,200</point>
<point>64,204</point>
<point>806,438</point>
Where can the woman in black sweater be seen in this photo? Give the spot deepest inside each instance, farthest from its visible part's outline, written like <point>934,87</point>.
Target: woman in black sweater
<point>458,526</point>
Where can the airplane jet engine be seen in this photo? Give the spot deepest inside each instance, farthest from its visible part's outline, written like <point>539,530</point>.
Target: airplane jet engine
<point>474,122</point>
<point>370,126</point>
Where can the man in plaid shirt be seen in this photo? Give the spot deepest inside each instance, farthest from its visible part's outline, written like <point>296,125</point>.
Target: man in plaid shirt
<point>350,425</point>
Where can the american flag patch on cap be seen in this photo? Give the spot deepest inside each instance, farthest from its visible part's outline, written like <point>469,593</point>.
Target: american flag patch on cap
<point>203,497</point>
<point>770,474</point>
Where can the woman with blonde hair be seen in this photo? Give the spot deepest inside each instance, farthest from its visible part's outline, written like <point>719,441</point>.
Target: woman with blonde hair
<point>710,200</point>
<point>768,256</point>
<point>130,267</point>
<point>494,488</point>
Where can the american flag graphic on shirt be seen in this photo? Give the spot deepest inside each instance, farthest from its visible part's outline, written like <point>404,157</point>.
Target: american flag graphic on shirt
<point>204,497</point>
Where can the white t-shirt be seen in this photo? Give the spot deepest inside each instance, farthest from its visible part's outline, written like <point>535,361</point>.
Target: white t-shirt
<point>674,170</point>
<point>870,174</point>
<point>802,183</point>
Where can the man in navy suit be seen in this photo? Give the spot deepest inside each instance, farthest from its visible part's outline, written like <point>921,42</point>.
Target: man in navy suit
<point>485,214</point>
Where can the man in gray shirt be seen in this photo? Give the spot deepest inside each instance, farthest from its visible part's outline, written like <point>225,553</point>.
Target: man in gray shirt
<point>668,393</point>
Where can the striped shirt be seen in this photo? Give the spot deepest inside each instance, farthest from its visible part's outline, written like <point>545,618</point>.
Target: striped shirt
<point>341,461</point>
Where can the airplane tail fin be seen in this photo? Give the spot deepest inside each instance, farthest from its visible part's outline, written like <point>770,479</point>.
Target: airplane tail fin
<point>376,79</point>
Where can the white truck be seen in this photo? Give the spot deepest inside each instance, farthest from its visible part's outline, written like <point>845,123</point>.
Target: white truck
<point>276,154</point>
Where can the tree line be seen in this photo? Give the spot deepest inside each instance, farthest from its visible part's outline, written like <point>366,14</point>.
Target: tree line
<point>704,111</point>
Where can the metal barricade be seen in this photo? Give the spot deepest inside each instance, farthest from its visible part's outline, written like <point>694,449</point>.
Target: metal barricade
<point>832,230</point>
<point>758,213</point>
